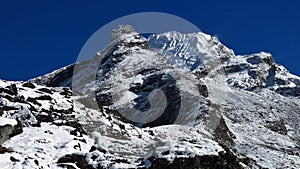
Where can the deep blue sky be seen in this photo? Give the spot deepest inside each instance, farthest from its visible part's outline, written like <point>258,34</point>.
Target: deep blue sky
<point>37,37</point>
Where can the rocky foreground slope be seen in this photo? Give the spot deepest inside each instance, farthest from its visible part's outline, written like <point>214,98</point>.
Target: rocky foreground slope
<point>170,101</point>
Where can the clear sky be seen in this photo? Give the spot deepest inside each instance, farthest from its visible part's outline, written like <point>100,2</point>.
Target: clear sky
<point>38,36</point>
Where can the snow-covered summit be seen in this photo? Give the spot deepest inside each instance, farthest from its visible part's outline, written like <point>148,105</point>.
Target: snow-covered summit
<point>192,51</point>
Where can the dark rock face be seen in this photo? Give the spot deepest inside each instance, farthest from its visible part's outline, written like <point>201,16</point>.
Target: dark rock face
<point>235,68</point>
<point>225,161</point>
<point>79,160</point>
<point>201,72</point>
<point>29,85</point>
<point>1,111</point>
<point>154,80</point>
<point>288,91</point>
<point>203,90</point>
<point>5,150</point>
<point>223,135</point>
<point>44,97</point>
<point>110,60</point>
<point>277,126</point>
<point>34,101</point>
<point>19,98</point>
<point>11,89</point>
<point>44,118</point>
<point>45,90</point>
<point>13,159</point>
<point>167,84</point>
<point>17,130</point>
<point>8,108</point>
<point>63,78</point>
<point>104,99</point>
<point>66,92</point>
<point>9,131</point>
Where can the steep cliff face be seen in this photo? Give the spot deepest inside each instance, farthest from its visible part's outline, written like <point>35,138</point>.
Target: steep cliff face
<point>170,101</point>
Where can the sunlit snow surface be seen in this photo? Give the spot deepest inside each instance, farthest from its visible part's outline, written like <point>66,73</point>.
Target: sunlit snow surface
<point>45,144</point>
<point>6,121</point>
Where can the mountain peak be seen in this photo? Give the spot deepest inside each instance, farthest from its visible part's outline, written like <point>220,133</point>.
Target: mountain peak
<point>120,31</point>
<point>167,101</point>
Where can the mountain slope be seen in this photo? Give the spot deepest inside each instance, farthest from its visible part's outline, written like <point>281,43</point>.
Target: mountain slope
<point>172,100</point>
